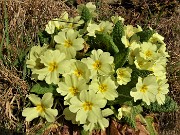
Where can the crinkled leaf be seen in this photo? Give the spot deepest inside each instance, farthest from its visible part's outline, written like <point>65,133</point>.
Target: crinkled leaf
<point>44,37</point>
<point>169,106</point>
<point>117,34</point>
<point>145,35</point>
<point>103,41</point>
<point>42,88</point>
<point>83,132</point>
<point>86,15</point>
<point>150,125</point>
<point>124,90</point>
<point>44,126</point>
<point>149,122</point>
<point>120,58</point>
<point>123,94</point>
<point>134,77</point>
<point>139,73</point>
<point>130,118</point>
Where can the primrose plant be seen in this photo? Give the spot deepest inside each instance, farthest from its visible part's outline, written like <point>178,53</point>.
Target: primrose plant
<point>97,70</point>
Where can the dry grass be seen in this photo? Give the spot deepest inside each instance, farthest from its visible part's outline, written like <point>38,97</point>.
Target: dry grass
<point>27,17</point>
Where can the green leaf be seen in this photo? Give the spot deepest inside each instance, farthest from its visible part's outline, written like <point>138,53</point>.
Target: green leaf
<point>43,87</point>
<point>145,35</point>
<point>134,79</point>
<point>139,73</point>
<point>149,122</point>
<point>43,128</point>
<point>123,95</point>
<point>86,15</point>
<point>83,132</point>
<point>169,106</point>
<point>150,126</point>
<point>103,41</point>
<point>117,34</point>
<point>130,118</point>
<point>44,37</point>
<point>124,90</point>
<point>120,100</point>
<point>120,58</point>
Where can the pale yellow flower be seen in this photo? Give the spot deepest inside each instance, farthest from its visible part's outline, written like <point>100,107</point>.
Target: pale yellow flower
<point>55,64</point>
<point>122,111</point>
<point>146,89</point>
<point>69,42</point>
<point>80,70</point>
<point>148,51</point>
<point>92,28</point>
<point>163,89</point>
<point>43,108</point>
<point>123,75</point>
<point>117,18</point>
<point>87,107</point>
<point>50,27</point>
<point>130,30</point>
<point>105,86</point>
<point>33,61</point>
<point>105,26</point>
<point>99,63</point>
<point>143,64</point>
<point>71,86</point>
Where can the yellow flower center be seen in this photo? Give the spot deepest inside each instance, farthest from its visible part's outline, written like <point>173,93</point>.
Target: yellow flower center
<point>73,90</point>
<point>144,88</point>
<point>52,66</point>
<point>87,106</point>
<point>40,108</point>
<point>61,26</point>
<point>97,65</point>
<point>132,54</point>
<point>148,53</point>
<point>120,73</point>
<point>102,87</point>
<point>70,25</point>
<point>140,63</point>
<point>68,43</point>
<point>159,90</point>
<point>101,29</point>
<point>78,73</point>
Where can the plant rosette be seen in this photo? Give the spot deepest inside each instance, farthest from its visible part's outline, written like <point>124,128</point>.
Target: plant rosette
<point>100,69</point>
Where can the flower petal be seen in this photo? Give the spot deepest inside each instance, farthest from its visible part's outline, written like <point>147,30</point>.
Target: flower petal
<point>94,115</point>
<point>35,99</point>
<point>76,105</point>
<point>81,116</point>
<point>30,113</point>
<point>105,69</point>
<point>60,38</point>
<point>84,95</point>
<point>103,123</point>
<point>62,88</point>
<point>50,114</point>
<point>78,44</point>
<point>106,112</point>
<point>47,100</point>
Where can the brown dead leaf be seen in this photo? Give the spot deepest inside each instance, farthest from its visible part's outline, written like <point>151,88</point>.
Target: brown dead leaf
<point>86,47</point>
<point>114,128</point>
<point>140,128</point>
<point>65,130</point>
<point>52,128</point>
<point>80,1</point>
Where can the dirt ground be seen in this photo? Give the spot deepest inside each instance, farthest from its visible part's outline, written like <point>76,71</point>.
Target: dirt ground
<point>26,17</point>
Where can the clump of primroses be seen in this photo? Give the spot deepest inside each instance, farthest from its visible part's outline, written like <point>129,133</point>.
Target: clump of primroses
<point>86,77</point>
